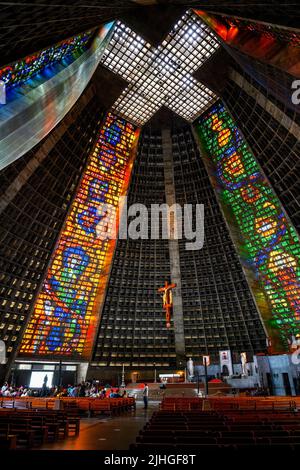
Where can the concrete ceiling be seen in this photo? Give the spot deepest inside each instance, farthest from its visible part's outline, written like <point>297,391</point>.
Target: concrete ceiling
<point>155,23</point>
<point>108,85</point>
<point>28,26</point>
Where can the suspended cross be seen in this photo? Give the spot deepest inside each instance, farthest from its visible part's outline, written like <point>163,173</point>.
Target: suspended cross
<point>163,75</point>
<point>167,300</point>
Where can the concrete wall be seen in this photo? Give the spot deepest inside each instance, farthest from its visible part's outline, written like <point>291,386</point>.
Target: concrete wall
<point>277,366</point>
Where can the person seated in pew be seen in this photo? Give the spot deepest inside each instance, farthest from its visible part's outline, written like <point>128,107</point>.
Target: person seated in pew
<point>115,394</point>
<point>3,389</point>
<point>8,392</point>
<point>82,390</point>
<point>62,393</point>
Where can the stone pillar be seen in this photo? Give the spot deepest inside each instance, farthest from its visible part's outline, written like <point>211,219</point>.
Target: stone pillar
<point>174,251</point>
<point>82,369</point>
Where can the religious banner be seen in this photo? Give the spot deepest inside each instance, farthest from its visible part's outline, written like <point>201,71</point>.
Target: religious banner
<point>2,352</point>
<point>207,360</point>
<point>226,363</point>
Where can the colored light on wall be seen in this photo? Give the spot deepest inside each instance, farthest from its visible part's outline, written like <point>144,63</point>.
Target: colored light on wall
<point>47,98</point>
<point>263,41</point>
<point>270,241</point>
<point>21,70</point>
<point>214,23</point>
<point>66,312</point>
<point>228,28</point>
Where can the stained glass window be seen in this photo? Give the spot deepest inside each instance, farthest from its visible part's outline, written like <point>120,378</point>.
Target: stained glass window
<point>23,69</point>
<point>268,43</point>
<point>270,244</point>
<point>66,312</point>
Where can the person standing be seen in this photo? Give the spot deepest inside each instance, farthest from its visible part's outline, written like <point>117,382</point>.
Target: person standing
<point>82,389</point>
<point>145,396</point>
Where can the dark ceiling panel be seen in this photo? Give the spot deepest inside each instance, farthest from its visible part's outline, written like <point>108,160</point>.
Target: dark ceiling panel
<point>281,12</point>
<point>153,23</point>
<point>26,27</point>
<point>29,27</point>
<point>165,118</point>
<point>109,86</point>
<point>214,73</point>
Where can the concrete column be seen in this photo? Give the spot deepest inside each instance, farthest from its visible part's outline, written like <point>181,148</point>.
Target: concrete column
<point>174,250</point>
<point>82,369</point>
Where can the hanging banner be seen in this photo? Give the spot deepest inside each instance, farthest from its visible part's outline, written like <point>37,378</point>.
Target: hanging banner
<point>207,359</point>
<point>226,363</point>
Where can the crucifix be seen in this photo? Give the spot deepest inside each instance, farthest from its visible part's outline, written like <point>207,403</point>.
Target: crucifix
<point>167,300</point>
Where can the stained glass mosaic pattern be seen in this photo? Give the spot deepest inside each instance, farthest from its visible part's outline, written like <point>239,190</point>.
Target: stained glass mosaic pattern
<point>268,43</point>
<point>66,312</point>
<point>45,98</point>
<point>270,244</point>
<point>228,27</point>
<point>23,69</point>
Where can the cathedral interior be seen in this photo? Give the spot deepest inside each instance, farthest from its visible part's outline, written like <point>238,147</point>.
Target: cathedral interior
<point>161,103</point>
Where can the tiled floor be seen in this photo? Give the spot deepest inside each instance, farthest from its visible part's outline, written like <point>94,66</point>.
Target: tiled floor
<point>107,433</point>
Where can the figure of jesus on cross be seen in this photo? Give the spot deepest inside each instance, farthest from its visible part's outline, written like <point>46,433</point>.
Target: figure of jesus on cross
<point>167,300</point>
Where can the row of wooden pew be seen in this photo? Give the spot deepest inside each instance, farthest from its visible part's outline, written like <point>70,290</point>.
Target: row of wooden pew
<point>231,403</point>
<point>90,406</point>
<point>29,422</point>
<point>107,406</point>
<point>29,428</point>
<point>181,404</point>
<point>182,424</point>
<point>254,403</point>
<point>176,431</point>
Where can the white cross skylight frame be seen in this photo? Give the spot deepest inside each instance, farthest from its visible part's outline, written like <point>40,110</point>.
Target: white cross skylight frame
<point>163,75</point>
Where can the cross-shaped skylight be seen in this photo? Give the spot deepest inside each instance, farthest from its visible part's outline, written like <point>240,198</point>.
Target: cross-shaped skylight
<point>163,75</point>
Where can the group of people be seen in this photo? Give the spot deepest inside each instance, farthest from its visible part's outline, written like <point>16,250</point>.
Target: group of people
<point>15,392</point>
<point>84,389</point>
<point>87,389</point>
